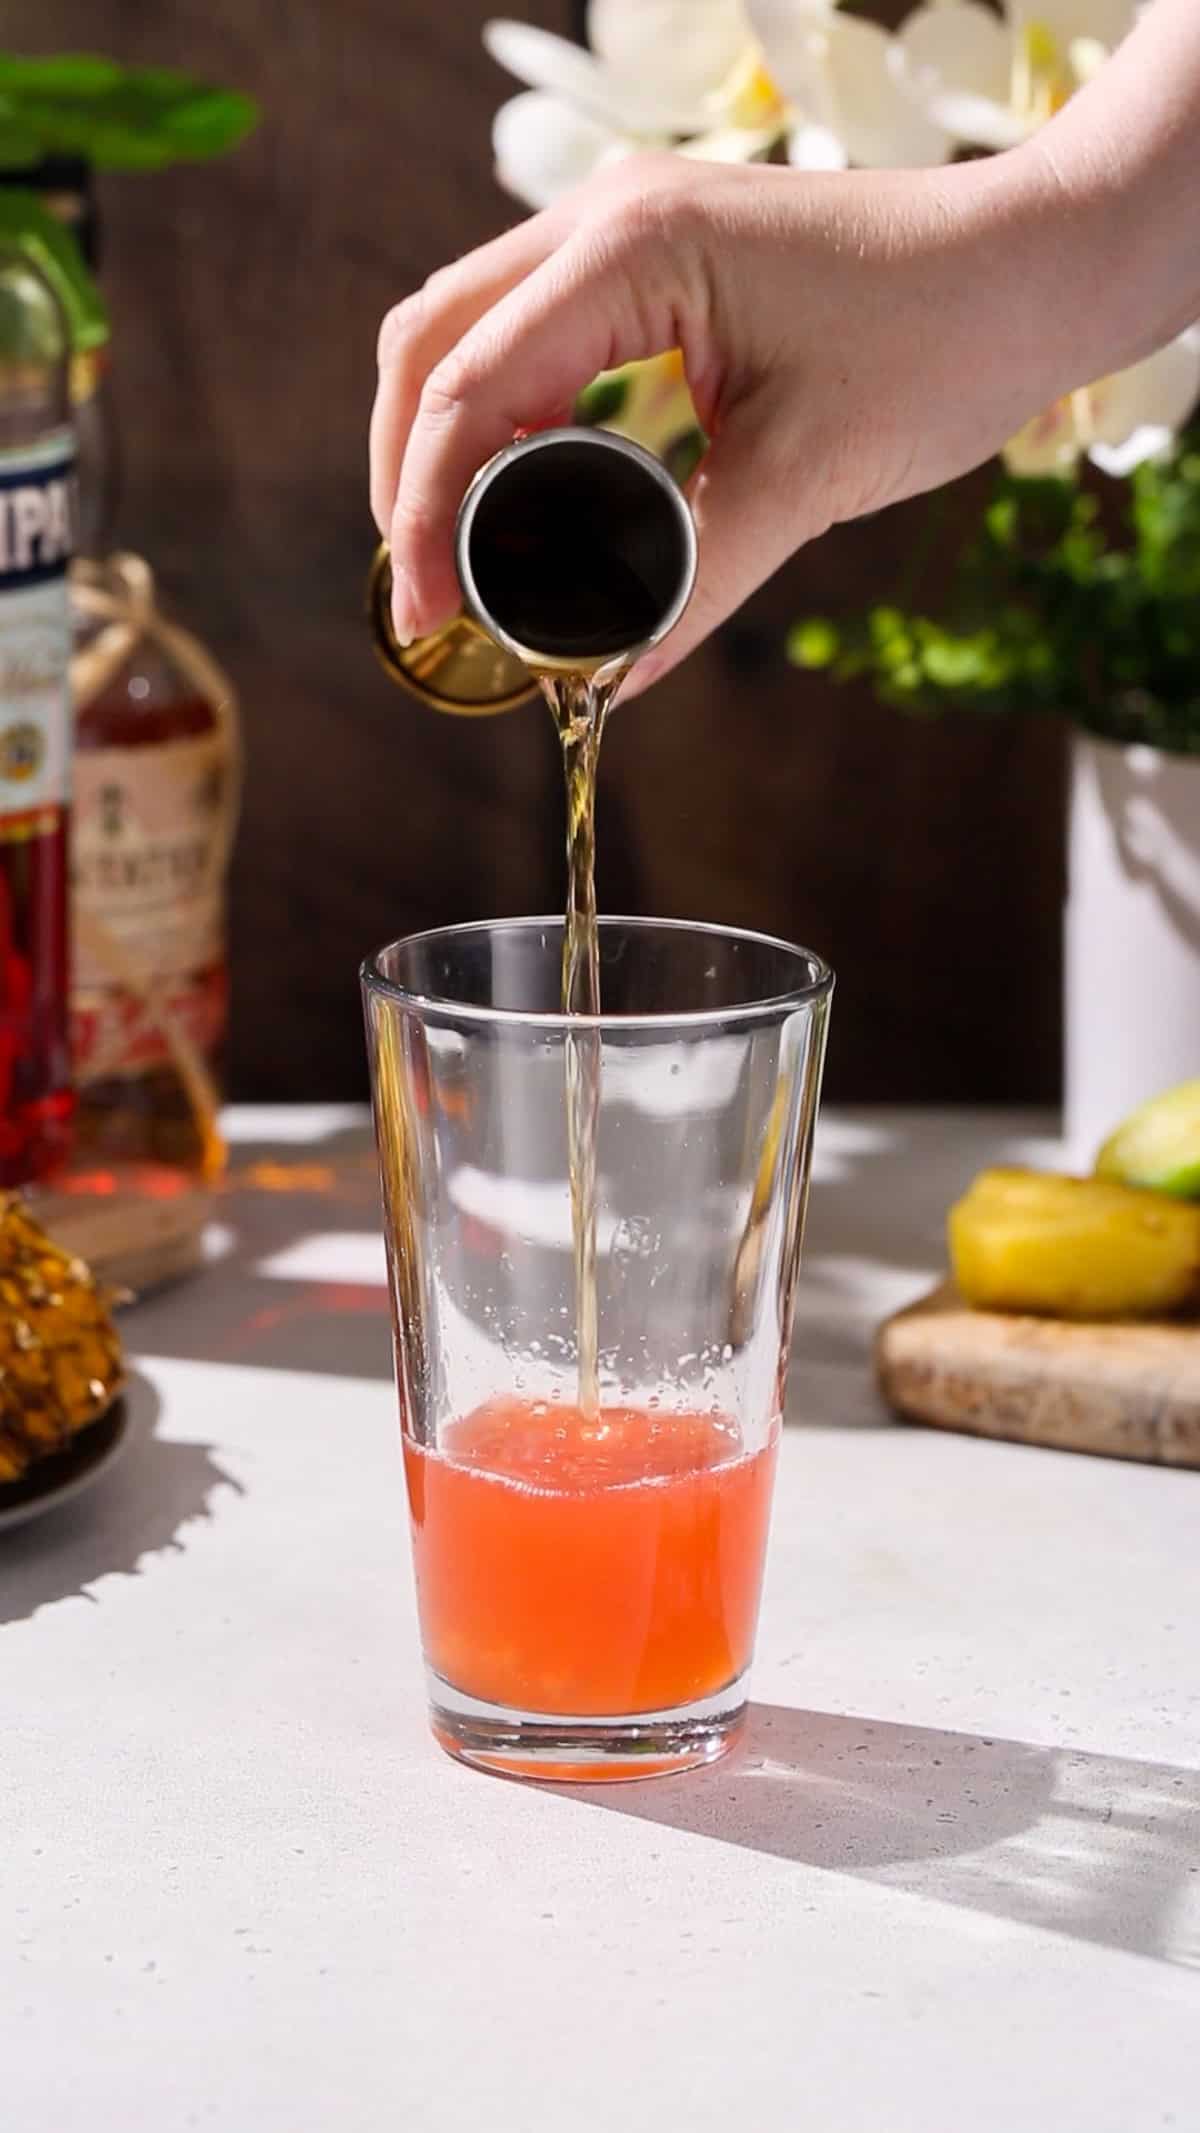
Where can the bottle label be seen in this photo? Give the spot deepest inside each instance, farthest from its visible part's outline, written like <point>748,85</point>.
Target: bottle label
<point>36,519</point>
<point>148,851</point>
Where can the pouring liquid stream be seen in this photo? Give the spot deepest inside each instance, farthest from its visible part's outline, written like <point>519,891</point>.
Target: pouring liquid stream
<point>580,703</point>
<point>580,554</point>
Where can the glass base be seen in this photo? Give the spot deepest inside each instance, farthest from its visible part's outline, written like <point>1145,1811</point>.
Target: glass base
<point>585,1751</point>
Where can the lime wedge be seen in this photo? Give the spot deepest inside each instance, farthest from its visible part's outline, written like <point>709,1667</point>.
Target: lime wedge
<point>1159,1145</point>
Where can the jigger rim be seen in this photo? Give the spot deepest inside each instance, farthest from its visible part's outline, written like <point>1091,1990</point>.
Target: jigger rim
<point>593,440</point>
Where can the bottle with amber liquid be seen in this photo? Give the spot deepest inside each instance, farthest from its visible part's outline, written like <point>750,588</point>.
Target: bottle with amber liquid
<point>36,509</point>
<point>155,778</point>
<point>156,772</point>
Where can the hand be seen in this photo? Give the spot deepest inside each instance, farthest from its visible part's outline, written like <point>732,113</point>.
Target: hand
<point>849,340</point>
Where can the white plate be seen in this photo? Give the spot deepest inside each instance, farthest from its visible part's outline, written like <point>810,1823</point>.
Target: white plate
<point>55,1480</point>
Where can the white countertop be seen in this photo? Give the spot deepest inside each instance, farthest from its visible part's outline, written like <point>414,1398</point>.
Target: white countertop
<point>952,1882</point>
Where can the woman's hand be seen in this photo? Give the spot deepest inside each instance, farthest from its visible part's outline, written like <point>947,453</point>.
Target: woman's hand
<point>850,339</point>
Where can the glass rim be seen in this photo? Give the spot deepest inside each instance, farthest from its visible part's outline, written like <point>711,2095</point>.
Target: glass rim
<point>735,1016</point>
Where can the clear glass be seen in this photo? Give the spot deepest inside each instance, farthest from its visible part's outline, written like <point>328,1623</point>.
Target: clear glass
<point>588,1581</point>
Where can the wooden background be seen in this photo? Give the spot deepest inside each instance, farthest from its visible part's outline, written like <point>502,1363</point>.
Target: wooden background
<point>924,860</point>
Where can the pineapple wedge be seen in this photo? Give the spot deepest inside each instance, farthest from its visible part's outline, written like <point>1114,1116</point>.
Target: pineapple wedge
<point>1060,1247</point>
<point>1158,1145</point>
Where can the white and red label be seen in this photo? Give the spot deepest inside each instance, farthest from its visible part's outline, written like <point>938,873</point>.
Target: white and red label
<point>148,850</point>
<point>36,517</point>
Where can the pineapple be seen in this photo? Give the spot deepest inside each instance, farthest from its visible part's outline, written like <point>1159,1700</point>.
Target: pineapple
<point>1080,1248</point>
<point>60,1356</point>
<point>1158,1145</point>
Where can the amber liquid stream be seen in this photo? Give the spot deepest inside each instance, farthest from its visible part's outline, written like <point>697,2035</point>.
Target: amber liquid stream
<point>565,585</point>
<point>580,704</point>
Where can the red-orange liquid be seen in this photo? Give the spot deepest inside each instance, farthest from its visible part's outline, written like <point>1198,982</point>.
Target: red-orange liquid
<point>36,1098</point>
<point>588,1567</point>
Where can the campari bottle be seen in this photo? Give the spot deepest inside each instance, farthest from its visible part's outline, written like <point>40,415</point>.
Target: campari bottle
<point>36,515</point>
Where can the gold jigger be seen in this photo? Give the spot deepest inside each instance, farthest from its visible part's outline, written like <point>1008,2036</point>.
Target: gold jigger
<point>576,553</point>
<point>459,668</point>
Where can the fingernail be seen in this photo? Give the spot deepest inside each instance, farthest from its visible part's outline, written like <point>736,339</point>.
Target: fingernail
<point>402,622</point>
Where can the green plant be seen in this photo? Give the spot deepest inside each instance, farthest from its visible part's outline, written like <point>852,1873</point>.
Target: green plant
<point>1049,611</point>
<point>115,117</point>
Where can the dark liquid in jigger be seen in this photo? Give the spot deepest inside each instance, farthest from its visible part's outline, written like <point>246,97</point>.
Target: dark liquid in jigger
<point>577,555</point>
<point>571,602</point>
<point>579,558</point>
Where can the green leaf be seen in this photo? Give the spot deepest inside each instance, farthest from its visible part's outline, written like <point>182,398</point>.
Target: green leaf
<point>1000,521</point>
<point>117,118</point>
<point>1083,601</point>
<point>58,73</point>
<point>25,224</point>
<point>960,662</point>
<point>603,398</point>
<point>683,454</point>
<point>20,147</point>
<point>813,643</point>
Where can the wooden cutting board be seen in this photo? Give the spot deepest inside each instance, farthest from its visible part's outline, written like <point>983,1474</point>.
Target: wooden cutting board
<point>145,1227</point>
<point>1127,1391</point>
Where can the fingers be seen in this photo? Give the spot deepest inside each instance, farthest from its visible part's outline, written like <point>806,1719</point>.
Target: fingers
<point>417,334</point>
<point>593,304</point>
<point>744,536</point>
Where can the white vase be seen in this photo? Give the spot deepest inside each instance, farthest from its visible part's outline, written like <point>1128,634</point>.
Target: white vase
<point>1132,940</point>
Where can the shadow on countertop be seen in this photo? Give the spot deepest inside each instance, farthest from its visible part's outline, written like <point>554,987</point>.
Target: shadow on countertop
<point>1097,1847</point>
<point>295,1279</point>
<point>137,1508</point>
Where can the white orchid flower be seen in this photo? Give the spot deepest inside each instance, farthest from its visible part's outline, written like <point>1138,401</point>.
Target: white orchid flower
<point>1118,422</point>
<point>722,80</point>
<point>650,402</point>
<point>991,80</point>
<point>839,79</point>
